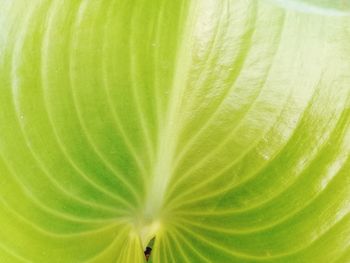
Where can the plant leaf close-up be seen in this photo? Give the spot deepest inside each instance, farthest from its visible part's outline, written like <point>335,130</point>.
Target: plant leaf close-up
<point>216,129</point>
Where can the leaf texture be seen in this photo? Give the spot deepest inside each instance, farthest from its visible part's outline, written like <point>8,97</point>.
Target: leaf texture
<point>219,127</point>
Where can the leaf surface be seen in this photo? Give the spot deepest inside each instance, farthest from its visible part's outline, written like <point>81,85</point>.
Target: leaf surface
<point>219,127</point>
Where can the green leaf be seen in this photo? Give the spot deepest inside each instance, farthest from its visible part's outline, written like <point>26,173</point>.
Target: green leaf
<point>221,128</point>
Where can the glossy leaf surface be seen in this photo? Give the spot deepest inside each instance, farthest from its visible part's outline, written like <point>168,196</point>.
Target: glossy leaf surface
<point>220,127</point>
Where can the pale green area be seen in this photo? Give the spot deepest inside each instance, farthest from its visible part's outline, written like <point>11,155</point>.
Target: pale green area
<point>220,127</point>
<point>324,7</point>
